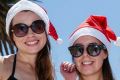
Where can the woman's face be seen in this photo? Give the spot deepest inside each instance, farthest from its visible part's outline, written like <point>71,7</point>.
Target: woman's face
<point>86,64</point>
<point>32,42</point>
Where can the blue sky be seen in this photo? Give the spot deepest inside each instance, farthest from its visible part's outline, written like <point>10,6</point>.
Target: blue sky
<point>66,15</point>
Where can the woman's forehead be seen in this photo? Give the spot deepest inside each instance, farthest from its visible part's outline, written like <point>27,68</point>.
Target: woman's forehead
<point>25,16</point>
<point>28,14</point>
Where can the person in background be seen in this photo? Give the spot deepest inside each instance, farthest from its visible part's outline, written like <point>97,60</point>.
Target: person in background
<point>28,27</point>
<point>90,47</point>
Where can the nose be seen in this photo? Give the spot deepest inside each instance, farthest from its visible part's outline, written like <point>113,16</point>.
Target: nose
<point>30,32</point>
<point>85,53</point>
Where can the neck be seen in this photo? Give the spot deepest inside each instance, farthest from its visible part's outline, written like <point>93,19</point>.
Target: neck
<point>95,76</point>
<point>28,59</point>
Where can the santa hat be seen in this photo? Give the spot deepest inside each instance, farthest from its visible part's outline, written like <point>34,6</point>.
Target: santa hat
<point>97,27</point>
<point>28,5</point>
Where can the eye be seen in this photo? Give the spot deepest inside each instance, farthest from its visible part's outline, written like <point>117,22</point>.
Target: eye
<point>94,49</point>
<point>38,26</point>
<point>76,51</point>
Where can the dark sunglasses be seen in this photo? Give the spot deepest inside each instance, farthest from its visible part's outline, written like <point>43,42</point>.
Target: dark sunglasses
<point>21,29</point>
<point>93,49</point>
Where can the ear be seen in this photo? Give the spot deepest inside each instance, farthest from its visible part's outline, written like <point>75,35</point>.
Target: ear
<point>105,55</point>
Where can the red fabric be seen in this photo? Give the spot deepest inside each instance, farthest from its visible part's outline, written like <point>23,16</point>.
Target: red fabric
<point>99,23</point>
<point>52,31</point>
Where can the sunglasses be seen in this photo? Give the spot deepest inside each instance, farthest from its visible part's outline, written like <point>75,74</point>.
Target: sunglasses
<point>21,29</point>
<point>93,49</point>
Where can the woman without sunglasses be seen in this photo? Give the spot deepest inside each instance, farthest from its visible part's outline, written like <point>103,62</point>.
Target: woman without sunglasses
<point>89,47</point>
<point>27,25</point>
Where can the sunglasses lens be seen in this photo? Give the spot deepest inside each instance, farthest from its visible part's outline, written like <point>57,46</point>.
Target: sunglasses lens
<point>93,50</point>
<point>38,26</point>
<point>20,30</point>
<point>76,51</point>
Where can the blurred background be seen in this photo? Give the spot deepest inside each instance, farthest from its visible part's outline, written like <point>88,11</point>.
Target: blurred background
<point>66,15</point>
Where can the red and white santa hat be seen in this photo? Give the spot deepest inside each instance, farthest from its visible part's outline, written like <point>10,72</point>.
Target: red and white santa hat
<point>97,27</point>
<point>29,5</point>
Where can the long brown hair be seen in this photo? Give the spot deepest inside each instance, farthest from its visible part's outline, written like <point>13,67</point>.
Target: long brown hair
<point>43,64</point>
<point>106,70</point>
<point>44,69</point>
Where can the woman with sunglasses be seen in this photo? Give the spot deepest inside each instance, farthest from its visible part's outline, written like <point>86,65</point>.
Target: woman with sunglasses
<point>28,26</point>
<point>89,47</point>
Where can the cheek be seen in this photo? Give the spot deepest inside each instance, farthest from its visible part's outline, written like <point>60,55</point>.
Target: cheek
<point>44,36</point>
<point>99,63</point>
<point>17,41</point>
<point>77,62</point>
<point>102,56</point>
<point>42,40</point>
<point>100,60</point>
<point>105,55</point>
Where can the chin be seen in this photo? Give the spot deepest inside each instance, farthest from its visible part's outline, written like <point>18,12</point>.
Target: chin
<point>32,52</point>
<point>88,72</point>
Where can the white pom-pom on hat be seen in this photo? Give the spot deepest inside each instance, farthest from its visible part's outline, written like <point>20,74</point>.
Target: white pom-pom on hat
<point>59,41</point>
<point>117,42</point>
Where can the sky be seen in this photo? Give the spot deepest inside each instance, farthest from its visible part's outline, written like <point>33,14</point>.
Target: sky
<point>66,15</point>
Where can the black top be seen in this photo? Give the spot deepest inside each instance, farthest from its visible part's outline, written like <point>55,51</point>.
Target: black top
<point>13,70</point>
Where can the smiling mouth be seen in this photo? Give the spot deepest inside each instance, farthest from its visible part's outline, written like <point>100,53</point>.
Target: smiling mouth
<point>87,62</point>
<point>32,43</point>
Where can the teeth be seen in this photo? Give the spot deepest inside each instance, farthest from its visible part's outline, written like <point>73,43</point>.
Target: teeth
<point>31,43</point>
<point>87,62</point>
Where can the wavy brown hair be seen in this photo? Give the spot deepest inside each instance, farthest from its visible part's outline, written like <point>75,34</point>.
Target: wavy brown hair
<point>44,69</point>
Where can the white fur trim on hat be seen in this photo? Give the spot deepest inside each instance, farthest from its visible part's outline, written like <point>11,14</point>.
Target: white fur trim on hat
<point>92,32</point>
<point>26,5</point>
